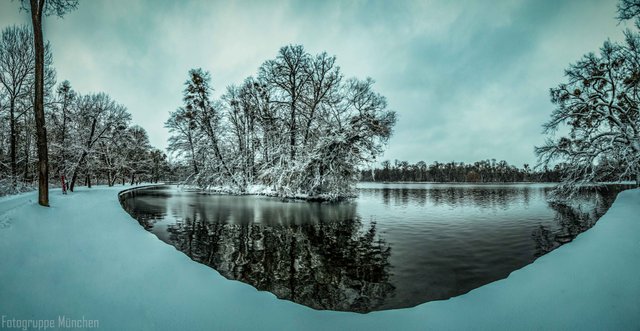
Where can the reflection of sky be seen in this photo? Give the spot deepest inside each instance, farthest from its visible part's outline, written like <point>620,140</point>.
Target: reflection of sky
<point>469,79</point>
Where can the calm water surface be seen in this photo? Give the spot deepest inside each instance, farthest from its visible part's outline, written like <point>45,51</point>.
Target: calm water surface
<point>395,246</point>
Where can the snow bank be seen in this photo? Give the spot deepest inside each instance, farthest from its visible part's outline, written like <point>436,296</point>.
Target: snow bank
<point>86,258</point>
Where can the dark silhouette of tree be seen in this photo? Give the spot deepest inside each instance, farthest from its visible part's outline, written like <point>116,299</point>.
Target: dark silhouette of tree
<point>38,9</point>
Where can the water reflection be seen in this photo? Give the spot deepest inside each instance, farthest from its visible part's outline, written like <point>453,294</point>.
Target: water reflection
<point>396,246</point>
<point>324,258</point>
<point>573,218</point>
<point>487,196</point>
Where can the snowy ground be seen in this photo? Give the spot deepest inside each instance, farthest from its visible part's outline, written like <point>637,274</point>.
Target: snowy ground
<point>86,258</point>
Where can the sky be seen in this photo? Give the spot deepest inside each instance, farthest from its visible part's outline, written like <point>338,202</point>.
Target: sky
<point>469,80</point>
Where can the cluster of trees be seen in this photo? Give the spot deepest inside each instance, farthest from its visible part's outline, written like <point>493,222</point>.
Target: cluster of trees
<point>598,108</point>
<point>485,171</point>
<point>89,136</point>
<point>299,128</point>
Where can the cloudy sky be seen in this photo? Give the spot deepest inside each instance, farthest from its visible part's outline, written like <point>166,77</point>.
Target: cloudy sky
<point>468,79</point>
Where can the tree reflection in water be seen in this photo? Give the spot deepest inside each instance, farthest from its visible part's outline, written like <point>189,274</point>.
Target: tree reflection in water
<point>331,262</point>
<point>447,239</point>
<point>574,217</point>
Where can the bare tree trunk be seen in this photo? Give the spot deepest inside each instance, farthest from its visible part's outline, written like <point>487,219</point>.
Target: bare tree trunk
<point>292,129</point>
<point>37,7</point>
<point>74,177</point>
<point>12,124</point>
<point>27,147</point>
<point>83,155</point>
<point>217,152</point>
<point>62,167</point>
<point>193,154</point>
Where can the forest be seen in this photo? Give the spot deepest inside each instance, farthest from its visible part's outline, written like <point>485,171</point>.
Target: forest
<point>91,139</point>
<point>297,129</point>
<point>484,171</point>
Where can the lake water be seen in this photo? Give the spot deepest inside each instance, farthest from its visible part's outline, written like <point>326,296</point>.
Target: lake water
<point>395,246</point>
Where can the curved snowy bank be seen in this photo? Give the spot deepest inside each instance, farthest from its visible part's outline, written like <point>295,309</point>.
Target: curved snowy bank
<point>85,257</point>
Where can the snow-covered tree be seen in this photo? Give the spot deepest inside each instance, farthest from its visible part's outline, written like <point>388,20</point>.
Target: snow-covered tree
<point>298,129</point>
<point>185,136</point>
<point>598,107</point>
<point>138,149</point>
<point>97,116</point>
<point>207,115</point>
<point>17,79</point>
<point>39,9</point>
<point>60,119</point>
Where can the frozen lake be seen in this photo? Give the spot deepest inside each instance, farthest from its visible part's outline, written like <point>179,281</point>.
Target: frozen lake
<point>395,246</point>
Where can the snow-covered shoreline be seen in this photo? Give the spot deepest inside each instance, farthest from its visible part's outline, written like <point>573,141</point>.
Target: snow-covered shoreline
<point>86,258</point>
<point>264,190</point>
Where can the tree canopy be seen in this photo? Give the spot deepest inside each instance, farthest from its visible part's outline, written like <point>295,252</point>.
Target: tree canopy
<point>299,127</point>
<point>595,127</point>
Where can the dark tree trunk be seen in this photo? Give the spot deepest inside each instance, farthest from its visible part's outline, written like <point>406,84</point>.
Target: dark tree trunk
<point>37,7</point>
<point>62,169</point>
<point>83,155</point>
<point>12,124</point>
<point>217,152</point>
<point>193,154</point>
<point>74,177</point>
<point>292,129</point>
<point>27,147</point>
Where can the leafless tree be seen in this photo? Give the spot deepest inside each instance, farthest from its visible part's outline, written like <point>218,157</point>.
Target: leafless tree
<point>38,9</point>
<point>599,106</point>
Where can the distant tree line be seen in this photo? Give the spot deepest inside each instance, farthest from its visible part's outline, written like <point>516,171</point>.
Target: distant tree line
<point>297,129</point>
<point>485,171</point>
<point>90,136</point>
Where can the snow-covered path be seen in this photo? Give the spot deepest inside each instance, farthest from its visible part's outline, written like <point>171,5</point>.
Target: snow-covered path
<point>86,257</point>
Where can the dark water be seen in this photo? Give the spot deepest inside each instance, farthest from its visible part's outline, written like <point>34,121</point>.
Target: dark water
<point>395,246</point>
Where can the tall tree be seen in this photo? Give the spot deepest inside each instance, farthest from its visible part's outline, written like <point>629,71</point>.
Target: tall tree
<point>185,136</point>
<point>60,121</point>
<point>197,99</point>
<point>599,106</point>
<point>17,78</point>
<point>289,74</point>
<point>97,116</point>
<point>40,8</point>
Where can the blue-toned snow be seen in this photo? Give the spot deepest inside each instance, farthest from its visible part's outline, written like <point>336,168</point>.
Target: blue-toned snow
<point>85,257</point>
